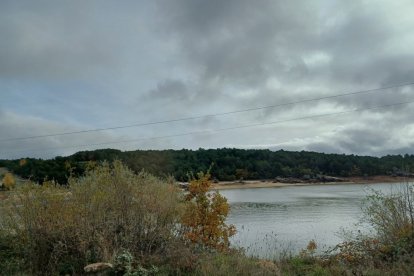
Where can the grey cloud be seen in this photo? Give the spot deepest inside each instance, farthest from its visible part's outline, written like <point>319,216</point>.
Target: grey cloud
<point>70,40</point>
<point>16,126</point>
<point>149,61</point>
<point>363,140</point>
<point>170,89</point>
<point>237,41</point>
<point>375,139</point>
<point>37,43</point>
<point>246,43</point>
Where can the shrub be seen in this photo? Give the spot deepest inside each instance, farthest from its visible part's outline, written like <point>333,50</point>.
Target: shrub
<point>392,218</point>
<point>390,248</point>
<point>11,261</point>
<point>61,229</point>
<point>205,215</point>
<point>8,181</point>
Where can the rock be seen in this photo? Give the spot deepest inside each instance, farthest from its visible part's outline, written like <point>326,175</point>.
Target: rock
<point>98,268</point>
<point>183,185</point>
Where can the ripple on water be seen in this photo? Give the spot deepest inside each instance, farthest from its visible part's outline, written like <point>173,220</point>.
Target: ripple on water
<point>294,215</point>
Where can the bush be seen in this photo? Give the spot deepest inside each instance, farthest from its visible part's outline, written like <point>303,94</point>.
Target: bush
<point>140,224</point>
<point>205,215</point>
<point>8,181</point>
<point>392,218</point>
<point>389,250</point>
<point>61,229</point>
<point>11,261</point>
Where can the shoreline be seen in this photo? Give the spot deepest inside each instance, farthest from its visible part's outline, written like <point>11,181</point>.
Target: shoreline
<point>248,184</point>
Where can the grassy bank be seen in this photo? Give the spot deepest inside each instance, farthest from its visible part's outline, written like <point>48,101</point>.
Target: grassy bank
<point>144,225</point>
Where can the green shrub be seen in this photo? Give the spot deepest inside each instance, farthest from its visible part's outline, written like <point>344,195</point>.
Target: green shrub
<point>11,259</point>
<point>124,264</point>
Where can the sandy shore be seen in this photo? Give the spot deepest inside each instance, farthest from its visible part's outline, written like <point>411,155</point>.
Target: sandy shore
<point>270,184</point>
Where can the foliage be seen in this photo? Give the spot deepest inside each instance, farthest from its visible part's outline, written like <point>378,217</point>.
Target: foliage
<point>234,263</point>
<point>11,262</point>
<point>135,220</point>
<point>206,214</point>
<point>22,162</point>
<point>309,252</point>
<point>124,265</point>
<point>392,217</point>
<point>61,229</point>
<point>390,248</point>
<point>8,181</point>
<point>300,265</point>
<point>230,164</point>
<point>114,215</point>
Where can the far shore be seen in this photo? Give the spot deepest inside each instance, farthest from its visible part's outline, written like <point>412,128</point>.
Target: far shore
<point>223,185</point>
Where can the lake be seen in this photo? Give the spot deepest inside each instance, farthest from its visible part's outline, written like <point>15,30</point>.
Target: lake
<point>271,221</point>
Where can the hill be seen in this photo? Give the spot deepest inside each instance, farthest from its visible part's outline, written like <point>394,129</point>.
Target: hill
<point>227,164</point>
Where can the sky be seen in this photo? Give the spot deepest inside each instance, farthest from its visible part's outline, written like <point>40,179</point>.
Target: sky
<point>70,66</point>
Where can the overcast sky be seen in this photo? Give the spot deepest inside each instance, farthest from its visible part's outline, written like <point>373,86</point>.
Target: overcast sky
<point>69,66</point>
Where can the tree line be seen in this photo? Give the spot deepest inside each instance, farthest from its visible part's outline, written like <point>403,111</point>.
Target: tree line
<point>226,164</point>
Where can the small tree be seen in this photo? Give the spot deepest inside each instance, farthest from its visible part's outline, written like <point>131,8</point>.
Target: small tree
<point>206,214</point>
<point>22,162</point>
<point>8,181</point>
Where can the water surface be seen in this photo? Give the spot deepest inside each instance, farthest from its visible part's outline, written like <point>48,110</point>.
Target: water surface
<point>272,220</point>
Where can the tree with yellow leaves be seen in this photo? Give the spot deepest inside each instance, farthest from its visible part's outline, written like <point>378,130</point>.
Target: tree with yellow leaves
<point>22,162</point>
<point>8,181</point>
<point>206,214</point>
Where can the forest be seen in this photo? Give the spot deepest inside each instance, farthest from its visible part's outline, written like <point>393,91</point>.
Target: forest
<point>225,164</point>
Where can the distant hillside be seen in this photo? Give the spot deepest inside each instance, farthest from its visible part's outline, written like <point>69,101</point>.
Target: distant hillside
<point>225,163</point>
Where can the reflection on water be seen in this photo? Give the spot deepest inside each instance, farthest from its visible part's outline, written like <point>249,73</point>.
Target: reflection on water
<point>271,220</point>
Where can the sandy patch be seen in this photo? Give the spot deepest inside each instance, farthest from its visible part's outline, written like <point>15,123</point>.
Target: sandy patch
<point>346,180</point>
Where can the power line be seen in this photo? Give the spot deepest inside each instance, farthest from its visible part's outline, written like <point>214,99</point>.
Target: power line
<point>223,129</point>
<point>208,115</point>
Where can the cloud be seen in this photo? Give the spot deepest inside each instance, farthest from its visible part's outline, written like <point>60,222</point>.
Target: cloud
<point>247,44</point>
<point>14,126</point>
<point>170,89</point>
<point>80,65</point>
<point>236,41</point>
<point>364,137</point>
<point>73,40</point>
